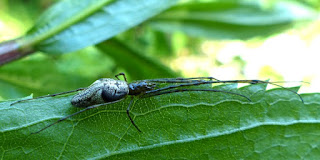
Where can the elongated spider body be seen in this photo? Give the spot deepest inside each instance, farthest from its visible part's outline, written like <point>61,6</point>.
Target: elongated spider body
<point>101,91</point>
<point>108,91</point>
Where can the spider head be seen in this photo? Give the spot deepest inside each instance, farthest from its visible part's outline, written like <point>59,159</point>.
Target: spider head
<point>140,87</point>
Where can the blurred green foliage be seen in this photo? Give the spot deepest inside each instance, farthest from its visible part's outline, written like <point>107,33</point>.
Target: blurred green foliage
<point>145,44</point>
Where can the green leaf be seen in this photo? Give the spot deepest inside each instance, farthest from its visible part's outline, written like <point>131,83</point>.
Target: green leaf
<point>127,57</point>
<point>195,125</point>
<point>71,25</point>
<point>231,19</point>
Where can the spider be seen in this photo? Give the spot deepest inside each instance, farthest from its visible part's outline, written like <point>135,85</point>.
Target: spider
<point>108,91</point>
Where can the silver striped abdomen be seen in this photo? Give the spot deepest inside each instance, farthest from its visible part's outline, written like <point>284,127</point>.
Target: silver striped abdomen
<point>101,91</point>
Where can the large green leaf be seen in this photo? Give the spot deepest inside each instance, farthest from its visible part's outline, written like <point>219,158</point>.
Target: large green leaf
<point>231,19</point>
<point>197,125</point>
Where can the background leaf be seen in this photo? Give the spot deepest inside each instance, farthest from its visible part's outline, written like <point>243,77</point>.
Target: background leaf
<point>72,25</point>
<point>46,75</point>
<point>144,65</point>
<point>231,19</point>
<point>197,125</point>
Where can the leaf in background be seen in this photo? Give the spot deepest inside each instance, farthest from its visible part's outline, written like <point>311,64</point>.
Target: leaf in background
<point>151,42</point>
<point>232,19</point>
<point>135,63</point>
<point>72,25</point>
<point>188,125</point>
<point>40,74</point>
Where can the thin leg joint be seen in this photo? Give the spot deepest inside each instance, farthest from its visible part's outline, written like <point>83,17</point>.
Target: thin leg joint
<point>128,113</point>
<point>121,74</point>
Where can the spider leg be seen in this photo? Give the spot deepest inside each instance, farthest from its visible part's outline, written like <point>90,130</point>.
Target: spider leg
<point>128,110</point>
<point>189,90</point>
<point>51,95</point>
<point>209,78</point>
<point>228,81</point>
<point>260,81</point>
<point>71,115</point>
<point>181,80</point>
<point>121,74</point>
<point>179,85</point>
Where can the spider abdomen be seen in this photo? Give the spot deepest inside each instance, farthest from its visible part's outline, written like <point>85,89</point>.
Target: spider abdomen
<point>101,91</point>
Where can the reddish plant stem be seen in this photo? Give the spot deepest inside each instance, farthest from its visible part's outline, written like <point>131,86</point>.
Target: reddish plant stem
<point>11,50</point>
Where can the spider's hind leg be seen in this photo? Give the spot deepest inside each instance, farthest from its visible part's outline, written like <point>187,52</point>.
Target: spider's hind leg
<point>51,95</point>
<point>71,115</point>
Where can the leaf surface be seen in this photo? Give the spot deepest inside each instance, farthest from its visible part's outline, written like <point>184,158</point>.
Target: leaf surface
<point>194,124</point>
